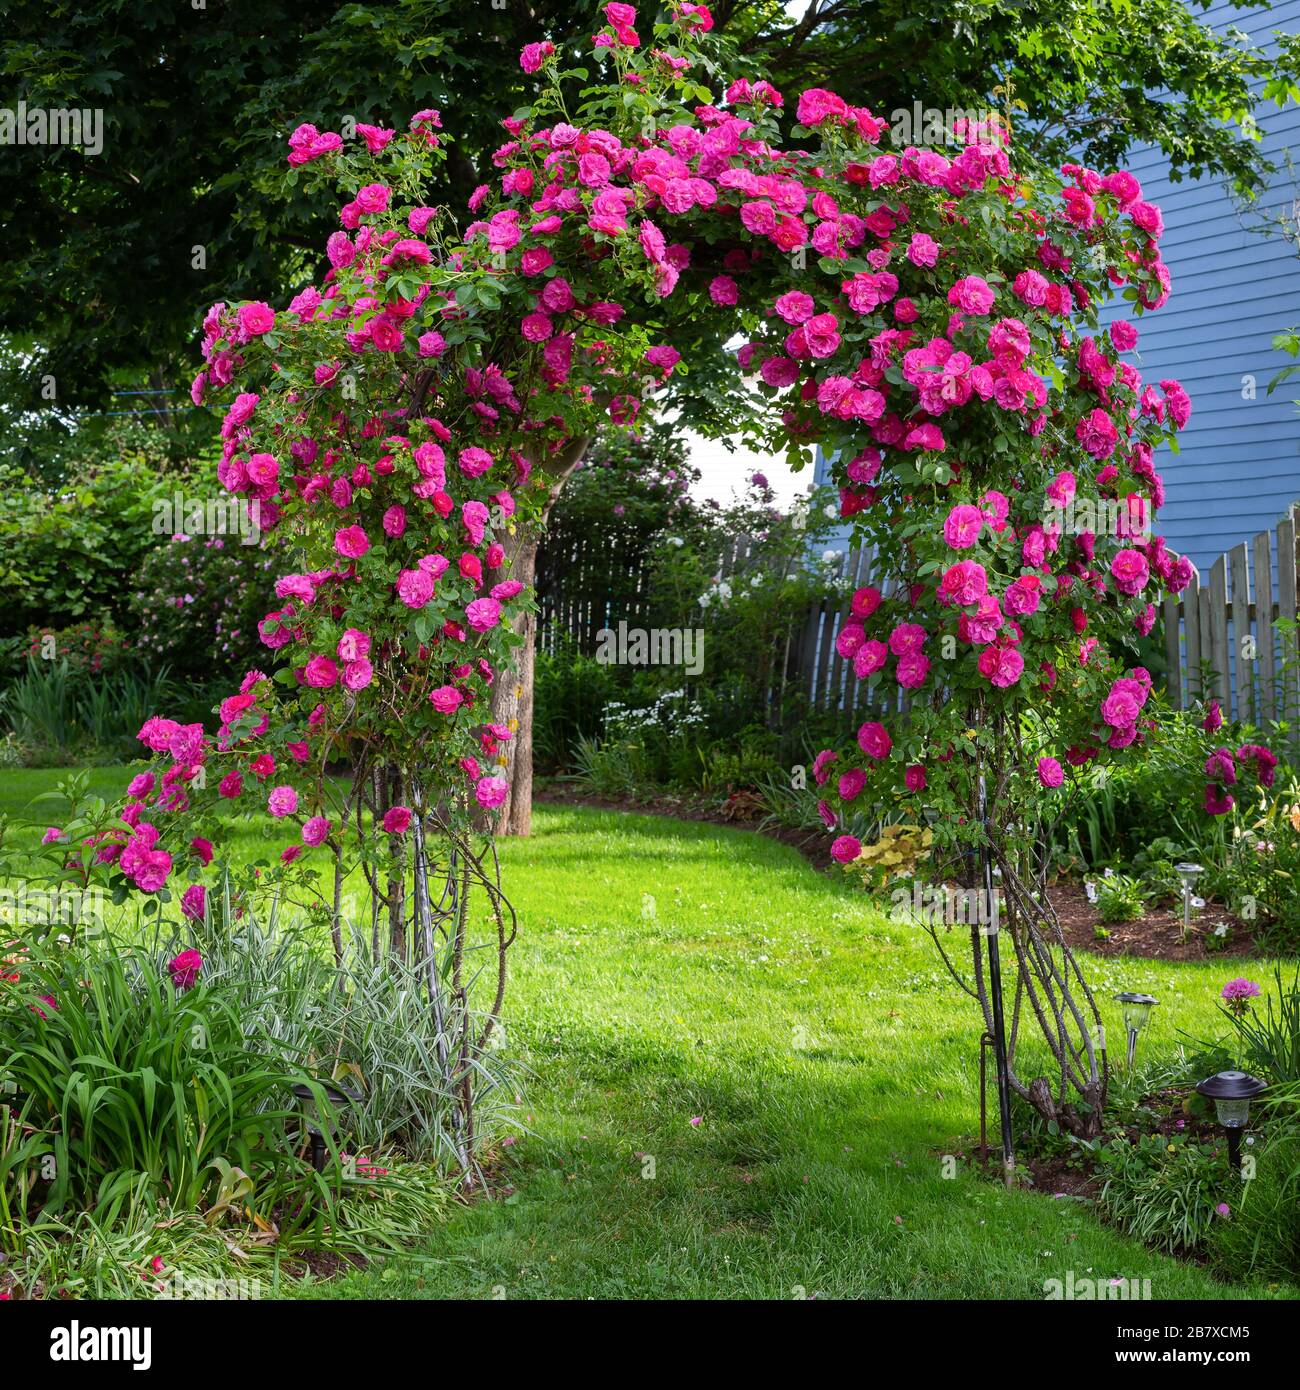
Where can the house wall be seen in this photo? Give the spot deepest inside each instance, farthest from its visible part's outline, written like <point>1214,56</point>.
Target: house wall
<point>1233,290</point>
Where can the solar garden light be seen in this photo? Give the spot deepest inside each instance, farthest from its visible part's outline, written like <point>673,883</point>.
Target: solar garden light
<point>1232,1092</point>
<point>1188,874</point>
<point>1137,1010</point>
<point>339,1097</point>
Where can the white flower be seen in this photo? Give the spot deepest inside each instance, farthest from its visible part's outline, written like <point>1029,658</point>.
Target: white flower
<point>677,541</point>
<point>831,511</point>
<point>756,581</point>
<point>724,591</point>
<point>705,600</point>
<point>830,557</point>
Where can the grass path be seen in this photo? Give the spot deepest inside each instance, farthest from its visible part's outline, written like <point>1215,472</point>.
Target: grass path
<point>667,970</point>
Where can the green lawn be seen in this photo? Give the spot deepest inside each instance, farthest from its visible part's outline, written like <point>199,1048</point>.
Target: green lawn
<point>668,970</point>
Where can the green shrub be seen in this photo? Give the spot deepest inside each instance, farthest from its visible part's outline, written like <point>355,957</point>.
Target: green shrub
<point>570,693</point>
<point>616,768</point>
<point>127,1075</point>
<point>60,716</point>
<point>1162,1190</point>
<point>67,553</point>
<point>1154,869</point>
<point>1120,898</point>
<point>196,602</point>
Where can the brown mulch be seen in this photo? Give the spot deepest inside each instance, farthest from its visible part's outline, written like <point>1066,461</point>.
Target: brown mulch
<point>1156,935</point>
<point>1055,1177</point>
<point>1177,1117</point>
<point>322,1264</point>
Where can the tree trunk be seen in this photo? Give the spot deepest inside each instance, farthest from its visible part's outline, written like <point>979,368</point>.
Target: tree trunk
<point>512,693</point>
<point>512,703</point>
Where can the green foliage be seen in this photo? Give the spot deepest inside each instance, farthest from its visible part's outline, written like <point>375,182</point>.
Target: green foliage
<point>1263,865</point>
<point>196,603</point>
<point>1154,867</point>
<point>127,1075</point>
<point>1162,1189</point>
<point>67,553</point>
<point>1288,342</point>
<point>365,1022</point>
<point>1146,815</point>
<point>57,715</point>
<point>1120,898</point>
<point>789,804</point>
<point>96,562</point>
<point>570,692</point>
<point>615,768</point>
<point>90,649</point>
<point>1261,1234</point>
<point>1123,808</point>
<point>129,1247</point>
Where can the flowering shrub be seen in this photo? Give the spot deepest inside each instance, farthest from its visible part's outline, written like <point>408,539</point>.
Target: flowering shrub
<point>391,419</point>
<point>197,602</point>
<point>90,649</point>
<point>930,322</point>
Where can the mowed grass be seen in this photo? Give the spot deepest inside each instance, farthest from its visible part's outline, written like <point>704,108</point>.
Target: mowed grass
<point>667,971</point>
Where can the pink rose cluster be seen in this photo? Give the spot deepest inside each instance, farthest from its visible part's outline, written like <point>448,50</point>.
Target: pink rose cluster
<point>880,339</point>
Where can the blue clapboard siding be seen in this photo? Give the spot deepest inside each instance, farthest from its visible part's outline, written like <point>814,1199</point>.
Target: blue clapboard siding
<point>1233,290</point>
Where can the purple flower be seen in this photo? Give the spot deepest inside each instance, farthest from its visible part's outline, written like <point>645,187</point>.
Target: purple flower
<point>1238,993</point>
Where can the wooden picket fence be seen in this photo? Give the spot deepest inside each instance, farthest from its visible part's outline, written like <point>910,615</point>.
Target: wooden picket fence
<point>1228,625</point>
<point>586,582</point>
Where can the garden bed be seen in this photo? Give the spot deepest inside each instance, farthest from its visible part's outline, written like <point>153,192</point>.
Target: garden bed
<point>1156,935</point>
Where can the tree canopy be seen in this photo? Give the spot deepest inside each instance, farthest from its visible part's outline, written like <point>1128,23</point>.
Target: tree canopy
<point>112,258</point>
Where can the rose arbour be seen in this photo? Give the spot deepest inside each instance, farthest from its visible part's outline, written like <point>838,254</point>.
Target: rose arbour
<point>929,322</point>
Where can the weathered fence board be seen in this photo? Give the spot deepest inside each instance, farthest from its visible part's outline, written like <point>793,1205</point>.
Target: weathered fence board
<point>1237,633</point>
<point>1264,632</point>
<point>1228,622</point>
